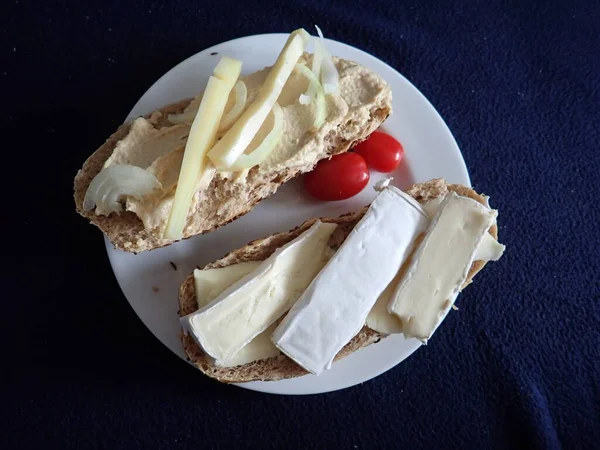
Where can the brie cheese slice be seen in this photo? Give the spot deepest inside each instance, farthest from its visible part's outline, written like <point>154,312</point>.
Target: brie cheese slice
<point>209,285</point>
<point>440,265</point>
<point>244,310</point>
<point>379,318</point>
<point>334,307</point>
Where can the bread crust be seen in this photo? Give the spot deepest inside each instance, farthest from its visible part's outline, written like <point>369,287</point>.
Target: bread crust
<point>282,367</point>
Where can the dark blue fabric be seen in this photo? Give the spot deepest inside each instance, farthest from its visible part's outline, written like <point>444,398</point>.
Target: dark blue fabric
<point>517,366</point>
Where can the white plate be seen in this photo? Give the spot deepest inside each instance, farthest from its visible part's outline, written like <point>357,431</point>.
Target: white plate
<point>149,281</point>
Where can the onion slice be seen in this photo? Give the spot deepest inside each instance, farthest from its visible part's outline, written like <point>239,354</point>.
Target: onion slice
<point>307,98</point>
<point>317,61</point>
<point>113,183</point>
<point>236,140</point>
<point>330,78</point>
<point>189,113</point>
<point>246,161</point>
<point>320,105</point>
<point>241,97</point>
<point>183,118</point>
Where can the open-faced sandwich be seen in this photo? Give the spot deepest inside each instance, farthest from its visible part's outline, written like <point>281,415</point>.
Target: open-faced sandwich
<point>197,164</point>
<point>294,302</point>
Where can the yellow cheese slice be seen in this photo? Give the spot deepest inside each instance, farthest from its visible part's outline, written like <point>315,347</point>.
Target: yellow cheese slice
<point>228,70</point>
<point>201,138</point>
<point>239,136</point>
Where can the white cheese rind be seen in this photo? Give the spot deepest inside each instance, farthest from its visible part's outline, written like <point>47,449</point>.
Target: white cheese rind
<point>440,265</point>
<point>244,310</point>
<point>334,307</point>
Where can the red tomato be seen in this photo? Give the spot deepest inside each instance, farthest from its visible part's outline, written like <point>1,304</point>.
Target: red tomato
<point>338,178</point>
<point>381,151</point>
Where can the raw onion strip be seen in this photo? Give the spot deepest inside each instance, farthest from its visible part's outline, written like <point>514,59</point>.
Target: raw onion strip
<point>320,105</point>
<point>330,78</point>
<point>178,119</point>
<point>241,97</point>
<point>246,161</point>
<point>112,183</point>
<point>317,61</point>
<point>307,98</point>
<point>189,113</point>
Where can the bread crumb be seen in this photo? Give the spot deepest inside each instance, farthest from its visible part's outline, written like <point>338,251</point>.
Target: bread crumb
<point>454,307</point>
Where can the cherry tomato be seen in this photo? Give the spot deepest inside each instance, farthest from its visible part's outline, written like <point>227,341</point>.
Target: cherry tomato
<point>381,151</point>
<point>341,177</point>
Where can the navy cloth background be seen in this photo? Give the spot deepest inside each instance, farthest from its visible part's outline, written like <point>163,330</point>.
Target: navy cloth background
<point>517,366</point>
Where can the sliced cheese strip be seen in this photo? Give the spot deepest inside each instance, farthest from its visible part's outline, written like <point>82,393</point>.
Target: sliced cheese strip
<point>488,250</point>
<point>210,284</point>
<point>202,136</point>
<point>334,307</point>
<point>440,265</point>
<point>238,137</point>
<point>228,70</point>
<point>380,320</point>
<point>244,310</point>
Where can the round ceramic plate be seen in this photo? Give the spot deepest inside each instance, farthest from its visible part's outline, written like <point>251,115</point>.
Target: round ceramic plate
<point>150,280</point>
